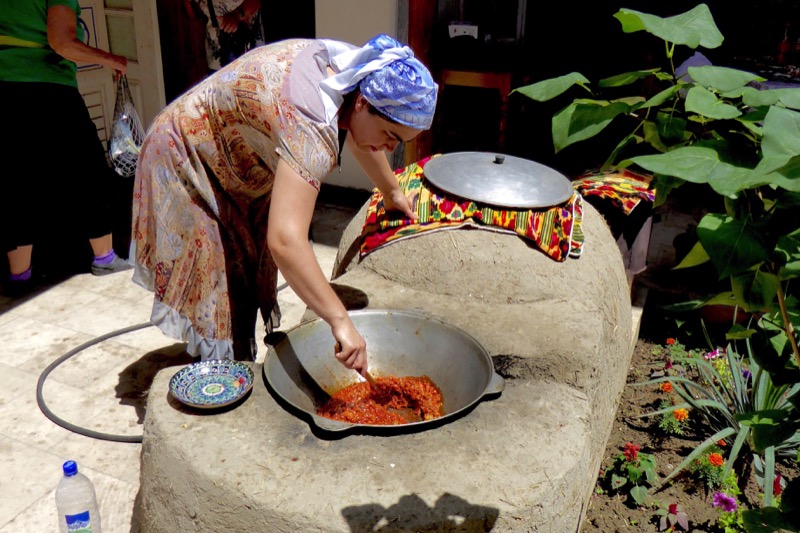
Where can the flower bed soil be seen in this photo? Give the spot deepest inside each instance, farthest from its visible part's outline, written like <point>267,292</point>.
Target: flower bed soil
<point>610,512</point>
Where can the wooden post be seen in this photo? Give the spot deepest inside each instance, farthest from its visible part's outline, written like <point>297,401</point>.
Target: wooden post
<point>421,17</point>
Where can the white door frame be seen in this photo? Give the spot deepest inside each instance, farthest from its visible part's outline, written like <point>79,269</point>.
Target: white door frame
<point>145,75</point>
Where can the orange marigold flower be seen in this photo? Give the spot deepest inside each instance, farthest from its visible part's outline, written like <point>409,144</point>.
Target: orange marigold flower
<point>721,442</point>
<point>680,414</point>
<point>671,341</point>
<point>666,387</point>
<point>715,459</point>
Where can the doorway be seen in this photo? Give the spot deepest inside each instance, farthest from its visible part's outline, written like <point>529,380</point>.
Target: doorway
<point>182,37</point>
<point>477,50</point>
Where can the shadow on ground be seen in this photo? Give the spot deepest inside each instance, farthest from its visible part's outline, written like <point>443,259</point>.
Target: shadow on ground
<point>135,380</point>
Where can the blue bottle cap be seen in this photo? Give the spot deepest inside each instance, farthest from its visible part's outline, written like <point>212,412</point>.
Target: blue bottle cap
<point>70,468</point>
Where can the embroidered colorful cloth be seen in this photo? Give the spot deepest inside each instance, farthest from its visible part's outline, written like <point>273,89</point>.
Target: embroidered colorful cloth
<point>555,231</point>
<point>623,188</point>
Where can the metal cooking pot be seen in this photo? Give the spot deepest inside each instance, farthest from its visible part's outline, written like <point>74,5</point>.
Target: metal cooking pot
<point>302,371</point>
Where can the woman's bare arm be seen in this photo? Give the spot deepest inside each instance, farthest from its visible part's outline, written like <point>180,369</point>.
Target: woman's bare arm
<point>62,37</point>
<point>377,169</point>
<point>291,209</point>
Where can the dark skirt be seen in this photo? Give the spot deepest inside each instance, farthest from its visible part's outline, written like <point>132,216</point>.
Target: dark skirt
<point>56,179</point>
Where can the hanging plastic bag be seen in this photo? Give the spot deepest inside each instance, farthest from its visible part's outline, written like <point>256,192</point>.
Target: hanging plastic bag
<point>127,134</point>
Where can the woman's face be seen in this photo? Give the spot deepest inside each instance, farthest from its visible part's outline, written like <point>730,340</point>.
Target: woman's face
<point>373,133</point>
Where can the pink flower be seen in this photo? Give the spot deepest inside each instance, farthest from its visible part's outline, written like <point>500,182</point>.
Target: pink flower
<point>673,508</point>
<point>725,502</point>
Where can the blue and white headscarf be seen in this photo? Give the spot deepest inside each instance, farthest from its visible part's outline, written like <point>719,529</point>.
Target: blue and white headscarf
<point>391,79</point>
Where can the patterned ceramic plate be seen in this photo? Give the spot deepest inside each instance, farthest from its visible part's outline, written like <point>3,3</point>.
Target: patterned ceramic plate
<point>212,383</point>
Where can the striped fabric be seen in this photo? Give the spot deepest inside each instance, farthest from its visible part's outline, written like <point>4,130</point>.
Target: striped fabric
<point>623,188</point>
<point>555,231</point>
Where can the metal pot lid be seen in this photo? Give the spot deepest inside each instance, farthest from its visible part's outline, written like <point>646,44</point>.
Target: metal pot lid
<point>498,179</point>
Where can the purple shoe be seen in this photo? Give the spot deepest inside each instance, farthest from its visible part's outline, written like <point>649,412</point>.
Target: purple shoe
<point>117,265</point>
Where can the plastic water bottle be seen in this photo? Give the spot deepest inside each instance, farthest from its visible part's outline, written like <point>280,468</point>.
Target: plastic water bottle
<point>76,502</point>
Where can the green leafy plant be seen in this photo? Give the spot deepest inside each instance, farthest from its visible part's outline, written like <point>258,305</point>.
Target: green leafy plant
<point>688,123</point>
<point>632,470</point>
<point>673,421</point>
<point>748,409</point>
<point>730,519</point>
<point>709,128</point>
<point>709,468</point>
<point>672,517</point>
<point>722,367</point>
<point>785,516</point>
<point>712,129</point>
<point>678,353</point>
<point>732,522</point>
<point>677,357</point>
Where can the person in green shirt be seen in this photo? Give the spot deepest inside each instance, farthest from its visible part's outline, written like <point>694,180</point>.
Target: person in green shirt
<point>47,127</point>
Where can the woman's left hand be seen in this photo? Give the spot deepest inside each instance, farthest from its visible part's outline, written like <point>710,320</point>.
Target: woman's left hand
<point>397,201</point>
<point>290,214</point>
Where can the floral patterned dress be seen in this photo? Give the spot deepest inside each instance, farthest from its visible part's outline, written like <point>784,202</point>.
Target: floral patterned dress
<point>203,188</point>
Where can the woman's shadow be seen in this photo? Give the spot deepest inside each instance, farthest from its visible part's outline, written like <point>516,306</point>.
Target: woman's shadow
<point>411,513</point>
<point>135,380</point>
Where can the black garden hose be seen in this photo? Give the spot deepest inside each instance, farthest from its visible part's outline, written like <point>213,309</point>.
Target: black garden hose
<point>52,366</point>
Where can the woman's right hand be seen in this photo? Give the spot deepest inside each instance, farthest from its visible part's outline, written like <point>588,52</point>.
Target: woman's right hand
<point>290,213</point>
<point>351,348</point>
